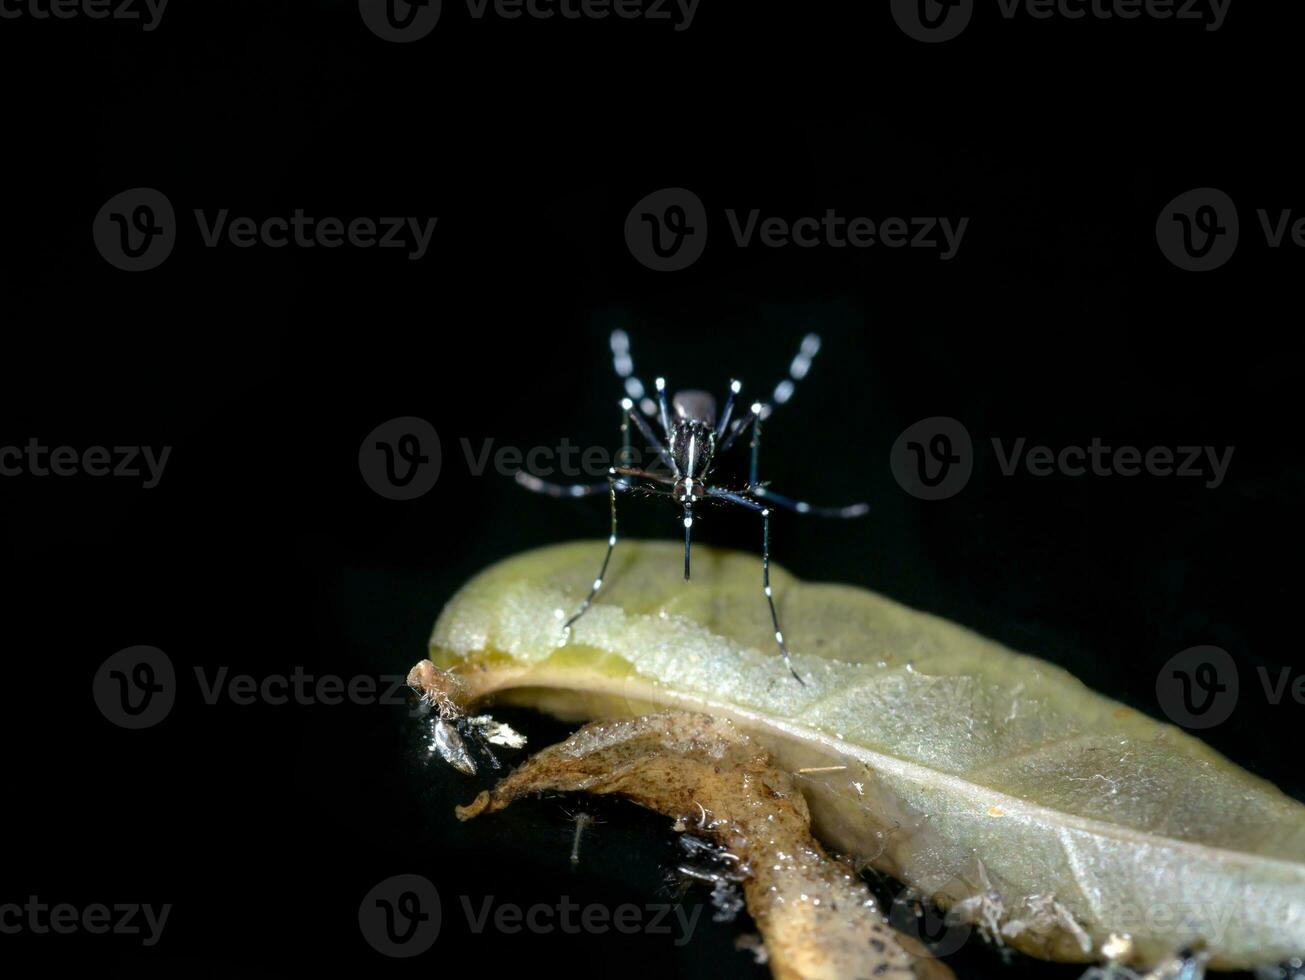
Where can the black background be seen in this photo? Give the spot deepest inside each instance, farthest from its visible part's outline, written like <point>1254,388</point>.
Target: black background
<point>262,549</point>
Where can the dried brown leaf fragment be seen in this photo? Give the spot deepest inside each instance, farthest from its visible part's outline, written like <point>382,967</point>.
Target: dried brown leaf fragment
<point>817,919</point>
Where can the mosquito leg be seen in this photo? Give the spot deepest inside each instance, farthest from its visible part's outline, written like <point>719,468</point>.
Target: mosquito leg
<point>770,596</point>
<point>797,369</point>
<point>736,498</point>
<point>536,485</point>
<point>662,407</point>
<point>742,425</point>
<point>612,485</point>
<point>623,364</point>
<point>802,507</point>
<point>723,426</point>
<point>646,431</point>
<point>688,529</point>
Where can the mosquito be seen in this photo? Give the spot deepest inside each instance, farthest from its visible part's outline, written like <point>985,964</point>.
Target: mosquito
<point>692,437</point>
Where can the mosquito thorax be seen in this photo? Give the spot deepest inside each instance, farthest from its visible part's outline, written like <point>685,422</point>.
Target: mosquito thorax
<point>692,445</point>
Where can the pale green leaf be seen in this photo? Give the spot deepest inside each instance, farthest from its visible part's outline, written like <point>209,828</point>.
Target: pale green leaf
<point>988,780</point>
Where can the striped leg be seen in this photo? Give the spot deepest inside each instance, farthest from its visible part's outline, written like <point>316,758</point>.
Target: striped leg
<point>755,488</point>
<point>535,485</point>
<point>623,364</point>
<point>612,485</point>
<point>802,507</point>
<point>797,370</point>
<point>765,569</point>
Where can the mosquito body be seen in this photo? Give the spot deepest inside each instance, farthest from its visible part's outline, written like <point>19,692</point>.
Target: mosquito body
<point>692,437</point>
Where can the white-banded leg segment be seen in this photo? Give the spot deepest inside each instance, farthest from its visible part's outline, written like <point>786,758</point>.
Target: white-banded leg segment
<point>535,485</point>
<point>752,419</point>
<point>723,425</point>
<point>646,431</point>
<point>662,407</point>
<point>612,486</point>
<point>797,370</point>
<point>736,498</point>
<point>770,595</point>
<point>623,364</point>
<point>688,531</point>
<point>802,507</point>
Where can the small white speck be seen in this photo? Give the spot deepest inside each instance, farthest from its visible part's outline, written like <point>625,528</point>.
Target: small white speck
<point>803,507</point>
<point>756,408</point>
<point>768,592</point>
<point>627,404</point>
<point>661,384</point>
<point>779,637</point>
<point>612,540</point>
<point>736,386</point>
<point>688,522</point>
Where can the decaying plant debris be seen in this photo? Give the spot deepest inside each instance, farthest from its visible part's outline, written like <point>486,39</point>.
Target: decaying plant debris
<point>816,917</point>
<point>995,785</point>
